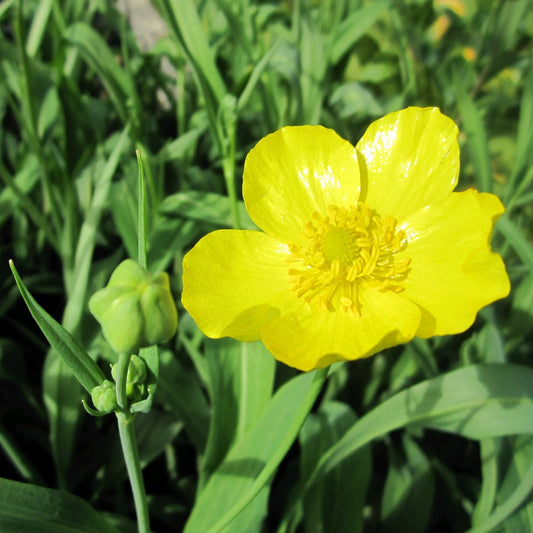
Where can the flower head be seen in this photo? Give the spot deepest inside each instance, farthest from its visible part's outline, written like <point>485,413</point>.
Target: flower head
<point>362,247</point>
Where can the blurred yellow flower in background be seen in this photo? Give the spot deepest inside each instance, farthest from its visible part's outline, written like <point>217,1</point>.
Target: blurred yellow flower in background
<point>362,247</point>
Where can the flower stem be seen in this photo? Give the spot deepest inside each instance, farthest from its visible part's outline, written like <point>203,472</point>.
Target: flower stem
<point>129,446</point>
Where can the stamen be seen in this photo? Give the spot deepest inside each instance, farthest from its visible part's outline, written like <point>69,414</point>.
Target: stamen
<point>346,248</point>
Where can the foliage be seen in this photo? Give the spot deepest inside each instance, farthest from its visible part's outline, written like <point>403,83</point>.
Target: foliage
<point>436,433</point>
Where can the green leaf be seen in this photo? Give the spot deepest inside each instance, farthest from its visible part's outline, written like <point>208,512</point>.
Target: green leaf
<point>18,459</point>
<point>99,56</point>
<point>182,392</point>
<point>204,206</point>
<point>409,490</point>
<point>476,402</point>
<point>516,492</point>
<point>79,276</point>
<point>521,456</point>
<point>490,451</point>
<point>517,240</point>
<point>354,27</point>
<point>38,26</point>
<point>180,147</point>
<point>185,24</point>
<point>524,135</point>
<point>25,507</point>
<point>253,459</point>
<point>80,363</point>
<point>476,135</point>
<point>335,503</point>
<point>241,381</point>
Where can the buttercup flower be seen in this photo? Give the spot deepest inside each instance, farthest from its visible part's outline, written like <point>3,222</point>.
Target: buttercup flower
<point>362,248</point>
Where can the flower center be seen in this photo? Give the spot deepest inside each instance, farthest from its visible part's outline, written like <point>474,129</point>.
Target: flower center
<point>343,249</point>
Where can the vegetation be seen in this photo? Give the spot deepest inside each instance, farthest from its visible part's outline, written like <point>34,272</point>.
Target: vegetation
<point>431,436</point>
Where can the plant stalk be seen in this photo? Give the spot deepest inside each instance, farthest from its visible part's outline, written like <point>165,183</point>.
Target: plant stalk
<point>128,442</point>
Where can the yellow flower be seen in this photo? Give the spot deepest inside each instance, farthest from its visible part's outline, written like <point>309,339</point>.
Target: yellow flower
<point>362,248</point>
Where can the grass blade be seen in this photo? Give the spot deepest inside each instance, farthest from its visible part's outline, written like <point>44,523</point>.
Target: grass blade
<point>252,461</point>
<point>476,402</point>
<point>25,507</point>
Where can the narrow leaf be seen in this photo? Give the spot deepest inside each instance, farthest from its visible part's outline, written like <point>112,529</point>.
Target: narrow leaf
<point>252,461</point>
<point>354,27</point>
<point>185,24</point>
<point>25,507</point>
<point>476,402</point>
<point>208,207</point>
<point>337,502</point>
<point>478,146</point>
<point>80,363</point>
<point>241,380</point>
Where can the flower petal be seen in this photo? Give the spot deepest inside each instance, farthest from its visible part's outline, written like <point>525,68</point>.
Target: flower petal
<point>311,338</point>
<point>233,281</point>
<point>453,272</point>
<point>408,159</point>
<point>295,171</point>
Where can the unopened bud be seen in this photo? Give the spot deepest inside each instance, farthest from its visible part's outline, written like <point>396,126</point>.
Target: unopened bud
<point>136,309</point>
<point>104,396</point>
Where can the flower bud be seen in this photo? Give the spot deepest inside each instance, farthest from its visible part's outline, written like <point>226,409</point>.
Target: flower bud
<point>104,396</point>
<point>136,371</point>
<point>136,309</point>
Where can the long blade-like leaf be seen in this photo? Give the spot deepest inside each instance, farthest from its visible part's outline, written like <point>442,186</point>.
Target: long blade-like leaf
<point>25,507</point>
<point>75,357</point>
<point>475,402</point>
<point>252,461</point>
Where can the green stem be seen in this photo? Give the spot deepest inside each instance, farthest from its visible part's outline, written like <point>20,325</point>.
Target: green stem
<point>228,165</point>
<point>129,447</point>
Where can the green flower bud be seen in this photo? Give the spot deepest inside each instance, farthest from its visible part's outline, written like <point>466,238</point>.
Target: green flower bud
<point>136,309</point>
<point>104,396</point>
<point>137,373</point>
<point>137,392</point>
<point>136,370</point>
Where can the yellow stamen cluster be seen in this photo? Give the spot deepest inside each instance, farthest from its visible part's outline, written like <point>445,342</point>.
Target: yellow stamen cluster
<point>343,249</point>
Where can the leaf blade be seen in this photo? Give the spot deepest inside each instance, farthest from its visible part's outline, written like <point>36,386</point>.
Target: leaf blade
<point>80,363</point>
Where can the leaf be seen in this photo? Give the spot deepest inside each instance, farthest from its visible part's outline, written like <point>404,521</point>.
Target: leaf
<point>477,402</point>
<point>99,56</point>
<point>521,457</point>
<point>253,459</point>
<point>354,27</point>
<point>335,503</point>
<point>38,26</point>
<point>17,457</point>
<point>476,135</point>
<point>241,380</point>
<point>524,135</point>
<point>409,490</point>
<point>354,100</point>
<point>180,389</point>
<point>490,451</point>
<point>180,147</point>
<point>25,507</point>
<point>517,489</point>
<point>204,206</point>
<point>80,363</point>
<point>185,24</point>
<point>169,238</point>
<point>517,240</point>
<point>79,277</point>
